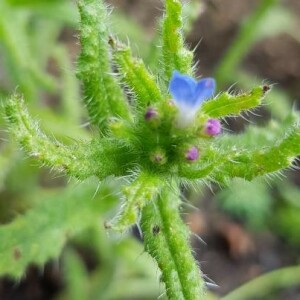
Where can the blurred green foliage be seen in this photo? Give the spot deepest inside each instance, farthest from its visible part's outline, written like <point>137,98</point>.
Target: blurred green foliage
<point>249,203</point>
<point>32,44</point>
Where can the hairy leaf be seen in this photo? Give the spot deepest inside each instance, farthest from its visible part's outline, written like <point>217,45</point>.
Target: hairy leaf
<point>102,94</point>
<point>136,76</point>
<point>82,160</point>
<point>41,233</point>
<point>175,55</point>
<point>226,104</point>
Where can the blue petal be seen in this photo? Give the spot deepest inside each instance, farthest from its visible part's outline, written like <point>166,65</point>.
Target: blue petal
<point>183,88</point>
<point>205,89</point>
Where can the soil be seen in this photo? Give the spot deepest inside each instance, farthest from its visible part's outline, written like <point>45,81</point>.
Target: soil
<point>233,255</point>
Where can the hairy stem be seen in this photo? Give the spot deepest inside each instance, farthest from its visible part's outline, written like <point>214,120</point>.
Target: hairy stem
<point>144,189</point>
<point>167,240</point>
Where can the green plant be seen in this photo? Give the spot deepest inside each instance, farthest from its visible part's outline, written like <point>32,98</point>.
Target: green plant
<point>148,142</point>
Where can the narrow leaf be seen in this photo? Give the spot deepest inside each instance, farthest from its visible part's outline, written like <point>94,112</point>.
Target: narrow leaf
<point>175,55</point>
<point>217,164</point>
<point>103,96</point>
<point>135,75</point>
<point>98,157</point>
<point>228,105</point>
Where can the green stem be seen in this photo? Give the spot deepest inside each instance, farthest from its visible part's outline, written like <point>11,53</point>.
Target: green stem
<point>167,240</point>
<point>261,287</point>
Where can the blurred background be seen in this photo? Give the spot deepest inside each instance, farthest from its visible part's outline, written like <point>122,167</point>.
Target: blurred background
<point>248,229</point>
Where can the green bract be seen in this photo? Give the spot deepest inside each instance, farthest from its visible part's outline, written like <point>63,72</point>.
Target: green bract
<point>150,153</point>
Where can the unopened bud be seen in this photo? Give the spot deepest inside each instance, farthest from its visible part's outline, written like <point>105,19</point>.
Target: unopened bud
<point>213,127</point>
<point>192,154</point>
<point>158,157</point>
<point>117,127</point>
<point>151,114</point>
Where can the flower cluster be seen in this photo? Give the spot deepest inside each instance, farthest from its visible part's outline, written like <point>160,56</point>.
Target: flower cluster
<point>188,95</point>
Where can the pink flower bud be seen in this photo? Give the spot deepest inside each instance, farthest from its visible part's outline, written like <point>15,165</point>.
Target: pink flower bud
<point>213,127</point>
<point>192,154</point>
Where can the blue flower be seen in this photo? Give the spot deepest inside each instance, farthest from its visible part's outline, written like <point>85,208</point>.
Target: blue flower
<point>189,94</point>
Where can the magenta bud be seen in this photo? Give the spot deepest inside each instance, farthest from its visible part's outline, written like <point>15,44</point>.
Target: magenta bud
<point>192,154</point>
<point>151,114</point>
<point>213,127</point>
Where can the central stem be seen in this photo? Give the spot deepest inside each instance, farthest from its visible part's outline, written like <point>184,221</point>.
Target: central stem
<point>166,239</point>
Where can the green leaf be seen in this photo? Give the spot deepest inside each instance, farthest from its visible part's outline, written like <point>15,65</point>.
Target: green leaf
<point>175,55</point>
<point>136,76</point>
<point>228,105</point>
<point>103,96</point>
<point>102,158</point>
<point>259,162</point>
<point>42,232</point>
<point>222,163</point>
